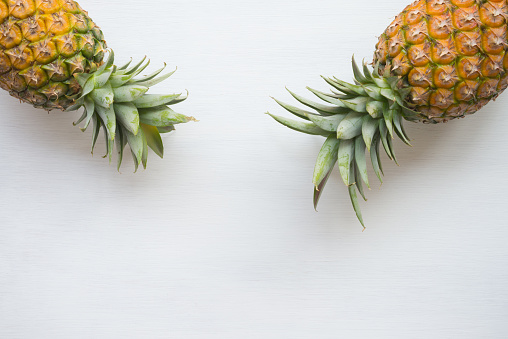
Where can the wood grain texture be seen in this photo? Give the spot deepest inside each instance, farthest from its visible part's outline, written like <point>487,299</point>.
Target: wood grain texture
<point>219,239</point>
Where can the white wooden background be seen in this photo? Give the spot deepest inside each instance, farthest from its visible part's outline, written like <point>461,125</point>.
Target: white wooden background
<point>219,239</point>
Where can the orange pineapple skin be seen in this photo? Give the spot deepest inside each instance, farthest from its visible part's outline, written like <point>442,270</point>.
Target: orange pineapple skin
<point>43,43</point>
<point>452,54</point>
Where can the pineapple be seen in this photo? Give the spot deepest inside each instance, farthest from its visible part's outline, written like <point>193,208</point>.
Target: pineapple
<point>438,60</point>
<point>53,56</point>
<point>450,54</point>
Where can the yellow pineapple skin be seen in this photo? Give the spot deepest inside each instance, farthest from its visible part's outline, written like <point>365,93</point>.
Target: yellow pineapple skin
<point>43,44</point>
<point>452,54</point>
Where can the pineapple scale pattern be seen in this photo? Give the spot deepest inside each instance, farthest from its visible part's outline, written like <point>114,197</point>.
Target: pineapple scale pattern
<point>43,43</point>
<point>452,54</point>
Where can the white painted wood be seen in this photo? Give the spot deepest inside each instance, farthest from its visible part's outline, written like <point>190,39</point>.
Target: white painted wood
<point>219,239</point>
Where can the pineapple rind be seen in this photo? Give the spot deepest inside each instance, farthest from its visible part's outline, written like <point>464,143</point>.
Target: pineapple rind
<point>452,55</point>
<point>114,100</point>
<point>357,118</point>
<point>42,45</point>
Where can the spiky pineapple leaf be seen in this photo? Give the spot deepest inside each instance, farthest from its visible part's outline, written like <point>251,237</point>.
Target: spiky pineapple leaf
<point>304,127</point>
<point>320,188</point>
<point>329,98</point>
<point>373,92</point>
<point>358,183</point>
<point>388,117</point>
<point>370,127</point>
<point>356,90</point>
<point>397,120</point>
<point>108,118</point>
<point>136,143</point>
<point>328,123</point>
<point>162,116</point>
<point>88,87</point>
<point>119,80</point>
<point>127,115</point>
<point>326,160</point>
<point>135,67</point>
<point>356,205</point>
<point>120,143</point>
<point>89,109</point>
<point>100,79</point>
<point>384,138</point>
<point>295,110</point>
<point>108,64</point>
<point>357,73</point>
<point>153,75</point>
<point>96,130</point>
<point>83,116</point>
<point>392,150</point>
<point>109,143</point>
<point>153,139</point>
<point>166,129</point>
<point>124,67</point>
<point>367,73</point>
<point>346,155</point>
<point>375,159</point>
<point>129,93</point>
<point>103,96</point>
<point>154,100</point>
<point>144,156</point>
<point>154,81</point>
<point>361,163</point>
<point>333,82</point>
<point>357,104</point>
<point>140,69</point>
<point>376,109</point>
<point>350,126</point>
<point>323,109</point>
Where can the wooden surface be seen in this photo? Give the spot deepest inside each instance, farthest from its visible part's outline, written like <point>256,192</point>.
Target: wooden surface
<point>219,239</point>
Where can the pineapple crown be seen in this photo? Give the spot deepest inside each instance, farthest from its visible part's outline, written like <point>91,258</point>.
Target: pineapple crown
<point>116,101</point>
<point>357,117</point>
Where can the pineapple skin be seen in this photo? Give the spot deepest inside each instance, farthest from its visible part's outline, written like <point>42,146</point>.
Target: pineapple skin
<point>451,54</point>
<point>43,44</point>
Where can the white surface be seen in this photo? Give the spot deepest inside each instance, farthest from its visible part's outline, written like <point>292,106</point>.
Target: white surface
<point>219,239</point>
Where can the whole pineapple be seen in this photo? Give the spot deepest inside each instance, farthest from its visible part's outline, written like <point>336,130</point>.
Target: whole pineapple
<point>52,56</point>
<point>438,60</point>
